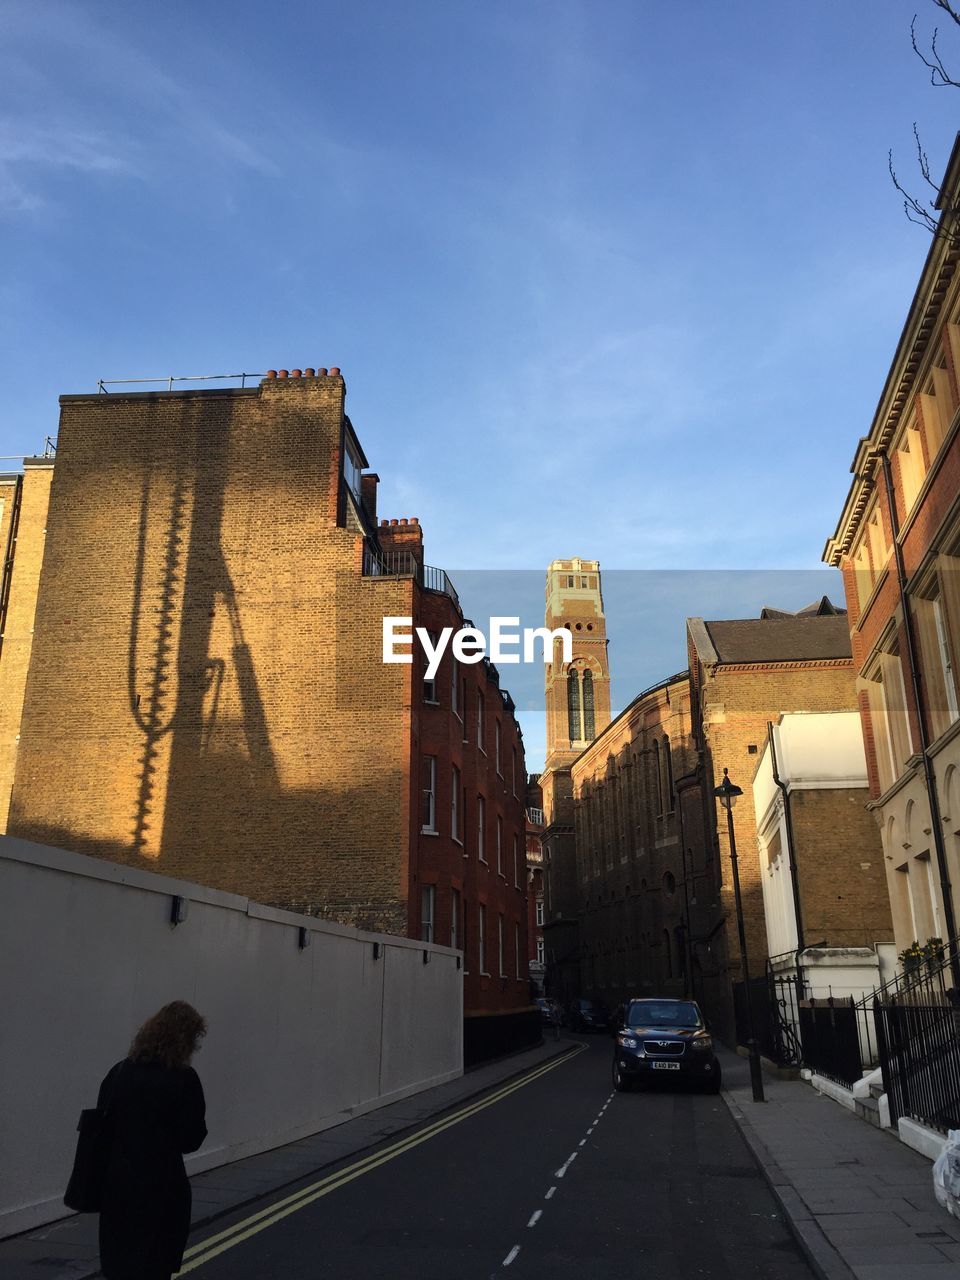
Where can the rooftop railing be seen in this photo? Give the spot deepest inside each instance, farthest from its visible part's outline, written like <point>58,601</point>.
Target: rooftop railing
<point>103,383</point>
<point>404,564</point>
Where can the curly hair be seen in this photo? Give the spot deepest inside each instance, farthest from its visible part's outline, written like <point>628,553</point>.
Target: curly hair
<point>170,1037</point>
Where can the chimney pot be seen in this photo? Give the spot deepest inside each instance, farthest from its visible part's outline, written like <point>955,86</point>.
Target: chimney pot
<point>414,520</point>
<point>384,522</point>
<point>321,373</point>
<point>308,373</point>
<point>334,371</point>
<point>394,521</point>
<point>271,373</point>
<point>282,373</point>
<point>296,373</point>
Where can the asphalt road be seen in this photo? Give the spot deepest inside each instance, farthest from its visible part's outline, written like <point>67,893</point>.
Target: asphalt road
<point>553,1177</point>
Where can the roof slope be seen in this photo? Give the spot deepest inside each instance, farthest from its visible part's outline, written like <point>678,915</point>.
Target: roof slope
<point>792,639</point>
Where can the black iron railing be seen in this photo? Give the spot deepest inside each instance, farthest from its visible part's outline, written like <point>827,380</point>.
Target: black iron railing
<point>404,564</point>
<point>925,983</point>
<point>774,998</point>
<point>920,1061</point>
<point>830,1035</point>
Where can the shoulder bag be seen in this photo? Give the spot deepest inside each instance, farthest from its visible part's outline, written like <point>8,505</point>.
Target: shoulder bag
<point>85,1189</point>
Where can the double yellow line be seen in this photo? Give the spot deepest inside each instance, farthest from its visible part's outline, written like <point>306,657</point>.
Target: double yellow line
<point>214,1245</point>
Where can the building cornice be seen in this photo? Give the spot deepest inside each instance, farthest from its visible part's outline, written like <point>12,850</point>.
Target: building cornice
<point>837,664</point>
<point>922,319</point>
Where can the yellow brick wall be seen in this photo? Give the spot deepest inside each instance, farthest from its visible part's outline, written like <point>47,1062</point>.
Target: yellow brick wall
<point>17,641</point>
<point>737,702</point>
<point>206,696</point>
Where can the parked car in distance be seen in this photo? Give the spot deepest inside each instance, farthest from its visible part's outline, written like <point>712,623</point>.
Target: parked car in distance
<point>665,1039</point>
<point>588,1015</point>
<point>551,1013</point>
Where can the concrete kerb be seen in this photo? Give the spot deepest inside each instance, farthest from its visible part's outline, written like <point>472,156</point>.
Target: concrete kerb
<point>817,1249</point>
<point>448,1097</point>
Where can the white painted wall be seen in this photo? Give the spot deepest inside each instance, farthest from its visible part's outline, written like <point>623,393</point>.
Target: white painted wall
<point>298,1040</point>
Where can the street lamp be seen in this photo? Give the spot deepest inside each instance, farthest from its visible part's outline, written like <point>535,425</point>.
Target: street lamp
<point>727,793</point>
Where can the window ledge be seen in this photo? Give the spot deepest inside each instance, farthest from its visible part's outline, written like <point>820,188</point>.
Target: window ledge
<point>871,598</point>
<point>910,771</point>
<point>431,702</point>
<point>429,831</point>
<point>946,737</point>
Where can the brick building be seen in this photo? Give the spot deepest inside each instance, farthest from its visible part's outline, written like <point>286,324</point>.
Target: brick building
<point>641,882</point>
<point>825,902</point>
<point>23,517</point>
<point>577,696</point>
<point>536,907</point>
<point>206,694</point>
<point>897,543</point>
<point>745,674</point>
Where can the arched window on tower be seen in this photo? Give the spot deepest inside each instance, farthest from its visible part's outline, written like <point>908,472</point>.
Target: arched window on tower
<point>668,767</point>
<point>589,731</point>
<point>658,775</point>
<point>573,704</point>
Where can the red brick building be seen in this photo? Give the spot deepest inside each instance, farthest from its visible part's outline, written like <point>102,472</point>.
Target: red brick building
<point>536,908</point>
<point>206,693</point>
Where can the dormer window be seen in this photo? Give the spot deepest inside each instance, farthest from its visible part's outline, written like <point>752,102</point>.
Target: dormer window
<point>352,468</point>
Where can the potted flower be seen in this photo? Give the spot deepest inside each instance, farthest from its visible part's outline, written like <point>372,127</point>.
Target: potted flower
<point>912,958</point>
<point>933,952</point>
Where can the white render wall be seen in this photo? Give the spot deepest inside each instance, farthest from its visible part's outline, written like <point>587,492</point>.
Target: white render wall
<point>298,1040</point>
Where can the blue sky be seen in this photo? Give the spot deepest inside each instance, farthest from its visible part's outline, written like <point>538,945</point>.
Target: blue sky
<point>613,278</point>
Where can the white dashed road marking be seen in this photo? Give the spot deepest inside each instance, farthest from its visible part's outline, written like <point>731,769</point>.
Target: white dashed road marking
<point>559,1173</point>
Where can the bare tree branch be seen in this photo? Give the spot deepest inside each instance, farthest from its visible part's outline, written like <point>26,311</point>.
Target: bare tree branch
<point>948,8</point>
<point>939,76</point>
<point>922,215</point>
<point>926,214</point>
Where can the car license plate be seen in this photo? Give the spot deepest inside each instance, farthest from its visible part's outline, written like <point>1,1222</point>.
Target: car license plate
<point>665,1066</point>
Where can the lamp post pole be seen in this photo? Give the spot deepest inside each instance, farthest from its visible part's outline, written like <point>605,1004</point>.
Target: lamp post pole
<point>727,794</point>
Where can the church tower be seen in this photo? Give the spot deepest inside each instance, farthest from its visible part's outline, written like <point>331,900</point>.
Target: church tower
<point>577,694</point>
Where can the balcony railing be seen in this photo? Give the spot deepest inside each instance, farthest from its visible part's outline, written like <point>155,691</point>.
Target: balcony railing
<point>535,816</point>
<point>404,564</point>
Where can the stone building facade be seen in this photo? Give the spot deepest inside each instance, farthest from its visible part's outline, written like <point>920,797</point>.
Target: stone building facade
<point>897,543</point>
<point>206,694</point>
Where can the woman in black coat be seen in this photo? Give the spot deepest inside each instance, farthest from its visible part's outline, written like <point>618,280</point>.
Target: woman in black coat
<point>156,1108</point>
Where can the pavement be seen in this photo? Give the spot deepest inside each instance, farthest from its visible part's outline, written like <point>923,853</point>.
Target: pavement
<point>859,1202</point>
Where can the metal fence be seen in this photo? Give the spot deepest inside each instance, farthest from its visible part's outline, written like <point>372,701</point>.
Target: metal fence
<point>920,1060</point>
<point>829,1030</point>
<point>773,1002</point>
<point>404,564</point>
